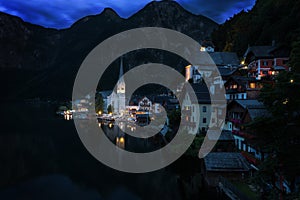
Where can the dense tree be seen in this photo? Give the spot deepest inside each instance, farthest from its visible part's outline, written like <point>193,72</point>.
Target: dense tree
<point>268,20</point>
<point>279,133</point>
<point>99,103</point>
<point>110,109</point>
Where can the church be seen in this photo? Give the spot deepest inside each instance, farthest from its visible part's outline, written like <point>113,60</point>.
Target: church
<point>116,99</point>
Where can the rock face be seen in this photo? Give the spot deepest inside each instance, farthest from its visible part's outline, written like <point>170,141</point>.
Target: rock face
<point>45,61</point>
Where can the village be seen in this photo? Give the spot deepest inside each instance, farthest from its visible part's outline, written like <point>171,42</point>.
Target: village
<point>237,154</point>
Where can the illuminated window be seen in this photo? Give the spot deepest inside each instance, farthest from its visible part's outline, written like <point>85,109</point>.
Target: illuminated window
<point>234,86</point>
<point>252,85</point>
<point>202,49</point>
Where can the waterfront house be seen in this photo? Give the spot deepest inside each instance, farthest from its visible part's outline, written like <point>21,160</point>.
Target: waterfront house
<point>231,165</point>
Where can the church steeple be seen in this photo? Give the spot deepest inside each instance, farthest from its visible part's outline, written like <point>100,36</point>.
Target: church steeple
<point>121,82</point>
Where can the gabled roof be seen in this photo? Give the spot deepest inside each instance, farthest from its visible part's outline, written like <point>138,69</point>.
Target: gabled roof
<point>225,58</point>
<point>226,162</point>
<point>260,51</point>
<point>201,92</point>
<point>250,104</point>
<point>227,71</point>
<point>224,136</point>
<point>255,108</point>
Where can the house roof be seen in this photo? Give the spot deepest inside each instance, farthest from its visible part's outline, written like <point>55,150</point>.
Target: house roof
<point>254,113</point>
<point>201,92</point>
<point>227,71</point>
<point>224,136</point>
<point>260,51</point>
<point>225,58</point>
<point>226,162</point>
<point>203,95</point>
<point>255,108</point>
<point>250,104</point>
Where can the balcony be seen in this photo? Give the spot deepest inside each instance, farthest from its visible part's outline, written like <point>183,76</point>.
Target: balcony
<point>235,121</point>
<point>243,134</point>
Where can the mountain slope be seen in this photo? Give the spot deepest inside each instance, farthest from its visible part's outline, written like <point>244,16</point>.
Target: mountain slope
<point>52,57</point>
<point>269,20</point>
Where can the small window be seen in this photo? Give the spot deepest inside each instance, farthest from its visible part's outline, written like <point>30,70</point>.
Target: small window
<point>220,112</point>
<point>204,109</point>
<point>252,85</point>
<point>204,120</point>
<point>265,63</point>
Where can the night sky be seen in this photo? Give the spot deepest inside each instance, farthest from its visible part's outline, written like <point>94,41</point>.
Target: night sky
<point>63,13</point>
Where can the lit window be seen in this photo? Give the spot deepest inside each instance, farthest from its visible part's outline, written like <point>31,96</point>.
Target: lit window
<point>202,49</point>
<point>252,85</point>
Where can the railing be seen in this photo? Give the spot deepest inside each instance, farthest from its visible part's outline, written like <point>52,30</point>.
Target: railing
<point>229,186</point>
<point>235,121</point>
<point>243,134</point>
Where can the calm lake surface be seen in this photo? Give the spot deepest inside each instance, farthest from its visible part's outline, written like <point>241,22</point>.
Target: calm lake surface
<point>42,157</point>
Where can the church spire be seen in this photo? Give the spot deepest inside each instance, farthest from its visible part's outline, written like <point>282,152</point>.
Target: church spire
<point>121,82</point>
<point>121,69</point>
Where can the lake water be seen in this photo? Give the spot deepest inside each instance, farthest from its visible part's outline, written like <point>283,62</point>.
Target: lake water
<point>42,157</point>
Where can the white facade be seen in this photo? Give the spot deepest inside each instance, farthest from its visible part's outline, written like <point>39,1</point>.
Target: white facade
<point>198,113</point>
<point>117,98</point>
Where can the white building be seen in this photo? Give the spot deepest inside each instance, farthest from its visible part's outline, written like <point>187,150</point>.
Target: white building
<point>116,99</point>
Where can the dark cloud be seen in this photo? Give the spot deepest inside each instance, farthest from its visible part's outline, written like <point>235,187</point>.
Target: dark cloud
<point>217,10</point>
<point>63,13</point>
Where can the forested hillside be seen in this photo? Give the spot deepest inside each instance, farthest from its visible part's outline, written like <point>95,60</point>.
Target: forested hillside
<point>269,20</point>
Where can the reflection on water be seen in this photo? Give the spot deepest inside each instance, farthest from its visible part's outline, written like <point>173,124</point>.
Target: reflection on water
<point>118,134</point>
<point>34,142</point>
